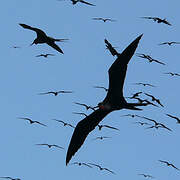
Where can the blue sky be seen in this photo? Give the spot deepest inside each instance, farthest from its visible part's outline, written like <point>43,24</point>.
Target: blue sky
<point>85,63</point>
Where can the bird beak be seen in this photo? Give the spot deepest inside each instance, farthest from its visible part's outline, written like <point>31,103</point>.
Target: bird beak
<point>31,44</point>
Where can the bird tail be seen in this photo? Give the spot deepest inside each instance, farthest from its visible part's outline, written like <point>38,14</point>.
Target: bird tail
<point>61,40</point>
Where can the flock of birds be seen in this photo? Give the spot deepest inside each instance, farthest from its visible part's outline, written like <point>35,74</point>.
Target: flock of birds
<point>114,100</point>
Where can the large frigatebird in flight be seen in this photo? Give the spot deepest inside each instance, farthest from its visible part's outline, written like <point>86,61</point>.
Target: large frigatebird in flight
<point>158,20</point>
<point>43,38</point>
<point>114,100</point>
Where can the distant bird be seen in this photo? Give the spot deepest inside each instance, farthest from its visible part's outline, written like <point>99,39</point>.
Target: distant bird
<point>15,47</point>
<point>32,122</point>
<point>172,74</point>
<point>141,123</point>
<point>111,48</point>
<point>169,43</point>
<point>114,100</point>
<point>101,87</point>
<point>131,115</point>
<point>76,1</point>
<point>158,20</point>
<point>104,19</point>
<point>86,106</point>
<point>64,123</point>
<point>101,137</point>
<point>7,177</point>
<point>55,92</point>
<point>44,55</point>
<point>107,126</point>
<point>146,175</point>
<point>43,38</point>
<point>154,99</point>
<point>145,84</point>
<point>80,164</point>
<point>84,114</point>
<point>169,164</point>
<point>50,145</point>
<point>174,117</point>
<point>101,168</point>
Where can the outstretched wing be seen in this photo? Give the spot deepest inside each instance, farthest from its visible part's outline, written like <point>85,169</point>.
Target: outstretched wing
<point>111,48</point>
<point>55,46</point>
<point>83,128</point>
<point>117,73</point>
<point>86,3</point>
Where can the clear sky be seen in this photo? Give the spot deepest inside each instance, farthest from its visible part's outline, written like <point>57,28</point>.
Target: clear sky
<point>130,151</point>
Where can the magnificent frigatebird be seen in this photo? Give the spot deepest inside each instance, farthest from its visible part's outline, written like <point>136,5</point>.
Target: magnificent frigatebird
<point>141,123</point>
<point>101,87</point>
<point>83,114</point>
<point>86,106</point>
<point>114,100</point>
<point>44,55</point>
<point>146,175</point>
<point>31,121</point>
<point>169,164</point>
<point>169,43</point>
<point>64,123</point>
<point>7,177</point>
<point>172,74</point>
<point>43,38</point>
<point>50,145</point>
<point>130,115</point>
<point>76,1</point>
<point>158,20</point>
<point>154,99</point>
<point>101,137</point>
<point>55,92</point>
<point>145,84</point>
<point>104,19</point>
<point>80,164</point>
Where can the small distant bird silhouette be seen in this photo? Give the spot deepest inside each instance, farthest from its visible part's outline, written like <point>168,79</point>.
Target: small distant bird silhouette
<point>101,137</point>
<point>169,43</point>
<point>111,48</point>
<point>15,47</point>
<point>44,55</point>
<point>131,115</point>
<point>86,106</point>
<point>172,74</point>
<point>50,145</point>
<point>101,168</point>
<point>145,84</point>
<point>31,121</point>
<point>64,123</point>
<point>84,114</point>
<point>169,164</point>
<point>107,126</point>
<point>141,123</point>
<point>101,87</point>
<point>80,164</point>
<point>55,92</point>
<point>158,20</point>
<point>104,19</point>
<point>174,117</point>
<point>76,1</point>
<point>7,177</point>
<point>146,175</point>
<point>154,99</point>
<point>43,38</point>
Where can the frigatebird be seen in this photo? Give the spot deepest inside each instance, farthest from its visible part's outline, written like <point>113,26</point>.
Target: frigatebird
<point>154,99</point>
<point>55,92</point>
<point>141,123</point>
<point>31,121</point>
<point>101,87</point>
<point>43,38</point>
<point>146,175</point>
<point>145,84</point>
<point>7,177</point>
<point>114,100</point>
<point>44,55</point>
<point>64,123</point>
<point>107,126</point>
<point>130,115</point>
<point>158,20</point>
<point>76,1</point>
<point>169,43</point>
<point>101,137</point>
<point>50,145</point>
<point>111,48</point>
<point>172,74</point>
<point>101,168</point>
<point>104,19</point>
<point>174,117</point>
<point>80,164</point>
<point>15,47</point>
<point>86,106</point>
<point>169,164</point>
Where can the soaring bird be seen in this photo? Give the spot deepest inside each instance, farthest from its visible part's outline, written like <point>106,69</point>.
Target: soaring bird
<point>83,114</point>
<point>145,84</point>
<point>158,20</point>
<point>111,48</point>
<point>146,175</point>
<point>44,55</point>
<point>169,43</point>
<point>64,123</point>
<point>55,92</point>
<point>130,115</point>
<point>31,121</point>
<point>172,74</point>
<point>107,126</point>
<point>174,117</point>
<point>7,177</point>
<point>76,1</point>
<point>86,106</point>
<point>101,87</point>
<point>101,137</point>
<point>80,164</point>
<point>43,38</point>
<point>114,100</point>
<point>169,164</point>
<point>104,19</point>
<point>50,145</point>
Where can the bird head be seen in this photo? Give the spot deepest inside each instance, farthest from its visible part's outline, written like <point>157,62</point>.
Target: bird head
<point>34,42</point>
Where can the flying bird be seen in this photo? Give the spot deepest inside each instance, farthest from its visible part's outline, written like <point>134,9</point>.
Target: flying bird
<point>104,19</point>
<point>7,177</point>
<point>169,164</point>
<point>44,55</point>
<point>15,47</point>
<point>141,123</point>
<point>172,74</point>
<point>111,48</point>
<point>145,84</point>
<point>101,137</point>
<point>174,117</point>
<point>64,123</point>
<point>32,122</point>
<point>145,100</point>
<point>146,175</point>
<point>114,100</point>
<point>107,126</point>
<point>76,1</point>
<point>130,115</point>
<point>169,43</point>
<point>50,145</point>
<point>154,99</point>
<point>158,20</point>
<point>80,164</point>
<point>101,87</point>
<point>86,106</point>
<point>55,92</point>
<point>43,38</point>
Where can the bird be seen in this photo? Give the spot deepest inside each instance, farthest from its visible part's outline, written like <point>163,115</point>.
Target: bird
<point>44,55</point>
<point>130,115</point>
<point>101,168</point>
<point>86,106</point>
<point>101,87</point>
<point>114,100</point>
<point>169,43</point>
<point>172,74</point>
<point>55,92</point>
<point>141,123</point>
<point>43,38</point>
<point>80,164</point>
<point>15,47</point>
<point>101,137</point>
<point>50,145</point>
<point>169,164</point>
<point>145,84</point>
<point>31,121</point>
<point>64,123</point>
<point>154,99</point>
<point>111,48</point>
<point>158,20</point>
<point>104,19</point>
<point>107,126</point>
<point>7,177</point>
<point>146,175</point>
<point>174,117</point>
<point>76,1</point>
<point>80,113</point>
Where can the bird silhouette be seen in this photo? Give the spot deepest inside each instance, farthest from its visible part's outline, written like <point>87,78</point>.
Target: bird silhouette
<point>101,87</point>
<point>169,43</point>
<point>31,121</point>
<point>141,123</point>
<point>146,175</point>
<point>43,38</point>
<point>55,92</point>
<point>104,19</point>
<point>76,1</point>
<point>64,123</point>
<point>86,106</point>
<point>81,164</point>
<point>174,117</point>
<point>16,47</point>
<point>50,145</point>
<point>145,84</point>
<point>114,100</point>
<point>101,137</point>
<point>101,168</point>
<point>7,177</point>
<point>44,55</point>
<point>158,20</point>
<point>111,48</point>
<point>169,164</point>
<point>172,74</point>
<point>107,126</point>
<point>130,115</point>
<point>154,99</point>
